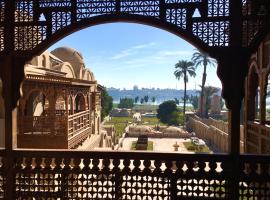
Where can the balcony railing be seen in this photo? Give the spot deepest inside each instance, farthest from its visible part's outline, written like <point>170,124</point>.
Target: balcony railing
<point>136,175</point>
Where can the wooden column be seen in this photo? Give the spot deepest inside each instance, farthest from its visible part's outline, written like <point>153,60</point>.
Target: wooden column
<point>232,70</point>
<point>12,74</point>
<point>263,88</point>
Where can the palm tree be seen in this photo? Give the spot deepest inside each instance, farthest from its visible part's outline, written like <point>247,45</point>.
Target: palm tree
<point>184,69</point>
<point>200,58</point>
<point>208,92</point>
<point>153,99</point>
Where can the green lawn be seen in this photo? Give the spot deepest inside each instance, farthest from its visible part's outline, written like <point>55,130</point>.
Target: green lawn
<point>150,145</point>
<point>151,121</point>
<point>145,107</point>
<point>191,147</point>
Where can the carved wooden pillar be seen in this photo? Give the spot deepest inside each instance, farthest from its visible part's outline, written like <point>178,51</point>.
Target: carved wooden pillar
<point>12,74</point>
<point>263,94</point>
<point>232,70</point>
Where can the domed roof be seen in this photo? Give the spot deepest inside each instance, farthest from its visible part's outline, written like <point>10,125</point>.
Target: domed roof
<point>72,56</point>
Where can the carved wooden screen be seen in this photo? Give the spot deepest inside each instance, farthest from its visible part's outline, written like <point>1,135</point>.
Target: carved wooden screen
<point>203,21</point>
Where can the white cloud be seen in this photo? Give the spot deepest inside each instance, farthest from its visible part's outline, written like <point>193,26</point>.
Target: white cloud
<point>176,53</point>
<point>132,50</point>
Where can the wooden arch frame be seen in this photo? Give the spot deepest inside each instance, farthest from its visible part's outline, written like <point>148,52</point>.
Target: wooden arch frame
<point>253,82</point>
<point>84,103</point>
<point>26,100</point>
<point>129,18</point>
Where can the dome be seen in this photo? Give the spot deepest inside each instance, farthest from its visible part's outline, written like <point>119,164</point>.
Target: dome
<point>67,54</point>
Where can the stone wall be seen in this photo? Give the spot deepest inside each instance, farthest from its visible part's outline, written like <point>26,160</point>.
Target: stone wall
<point>221,125</point>
<point>213,135</point>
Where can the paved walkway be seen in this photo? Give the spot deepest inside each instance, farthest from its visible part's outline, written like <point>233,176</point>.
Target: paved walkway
<point>160,144</point>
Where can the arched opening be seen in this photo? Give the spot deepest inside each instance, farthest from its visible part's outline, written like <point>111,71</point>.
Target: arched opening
<point>60,106</point>
<point>145,20</point>
<point>43,61</point>
<point>80,104</point>
<point>253,112</point>
<point>119,59</point>
<point>37,104</point>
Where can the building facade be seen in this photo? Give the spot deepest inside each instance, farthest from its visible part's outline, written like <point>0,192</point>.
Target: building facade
<point>61,101</point>
<point>257,116</point>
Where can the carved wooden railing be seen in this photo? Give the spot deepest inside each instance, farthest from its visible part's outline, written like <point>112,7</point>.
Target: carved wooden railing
<point>54,125</point>
<point>137,175</point>
<point>258,137</point>
<point>2,175</point>
<point>78,128</point>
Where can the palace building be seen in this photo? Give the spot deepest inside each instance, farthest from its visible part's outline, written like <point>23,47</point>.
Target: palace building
<point>61,101</point>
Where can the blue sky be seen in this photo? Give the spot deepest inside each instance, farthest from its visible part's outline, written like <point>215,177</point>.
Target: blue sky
<point>122,55</point>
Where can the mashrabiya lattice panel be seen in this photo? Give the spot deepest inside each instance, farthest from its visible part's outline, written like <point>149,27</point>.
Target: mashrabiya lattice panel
<point>39,20</point>
<point>253,19</point>
<point>2,8</point>
<point>208,20</point>
<point>97,178</point>
<point>146,8</point>
<point>2,179</point>
<point>255,178</point>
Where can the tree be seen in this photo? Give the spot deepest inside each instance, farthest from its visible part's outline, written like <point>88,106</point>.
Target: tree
<point>136,99</point>
<point>165,110</point>
<point>208,92</point>
<point>177,101</point>
<point>126,103</point>
<point>200,58</point>
<point>184,69</point>
<point>146,98</point>
<point>153,99</point>
<point>106,103</point>
<point>177,118</point>
<point>194,101</point>
<point>142,100</point>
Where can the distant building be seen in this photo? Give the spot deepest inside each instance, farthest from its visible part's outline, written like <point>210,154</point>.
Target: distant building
<point>61,101</point>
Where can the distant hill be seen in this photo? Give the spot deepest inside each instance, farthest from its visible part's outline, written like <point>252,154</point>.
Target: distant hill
<point>160,94</point>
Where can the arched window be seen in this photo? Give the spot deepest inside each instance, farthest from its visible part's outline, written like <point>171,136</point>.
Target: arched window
<point>80,104</point>
<point>37,104</point>
<point>254,95</point>
<point>267,101</point>
<point>60,106</point>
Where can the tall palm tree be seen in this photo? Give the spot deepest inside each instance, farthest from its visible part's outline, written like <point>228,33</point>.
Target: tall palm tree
<point>208,92</point>
<point>184,69</point>
<point>200,58</point>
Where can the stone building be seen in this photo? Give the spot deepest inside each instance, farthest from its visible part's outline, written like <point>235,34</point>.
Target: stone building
<point>61,101</point>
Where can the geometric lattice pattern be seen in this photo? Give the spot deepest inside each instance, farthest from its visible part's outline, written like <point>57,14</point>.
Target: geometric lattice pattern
<point>2,179</point>
<point>213,33</point>
<point>207,21</point>
<point>145,8</point>
<point>218,8</point>
<point>252,25</point>
<point>2,8</point>
<point>177,17</point>
<point>38,20</point>
<point>85,175</point>
<point>255,178</point>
